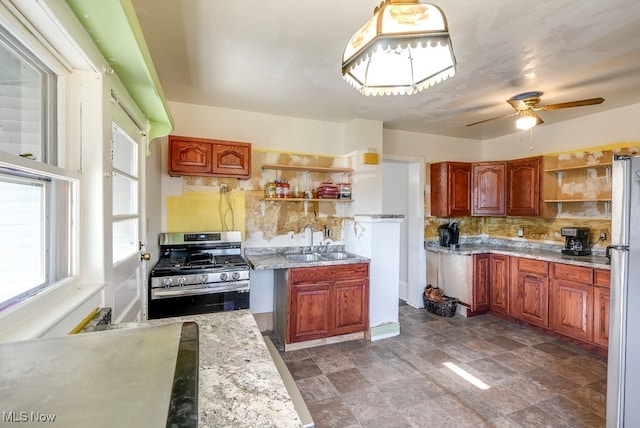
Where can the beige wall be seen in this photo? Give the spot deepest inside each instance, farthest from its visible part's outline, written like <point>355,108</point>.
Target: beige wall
<point>602,129</point>
<point>288,134</point>
<point>433,148</point>
<point>263,131</point>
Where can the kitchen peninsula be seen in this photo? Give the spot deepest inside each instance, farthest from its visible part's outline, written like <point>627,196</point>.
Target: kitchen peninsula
<point>239,384</point>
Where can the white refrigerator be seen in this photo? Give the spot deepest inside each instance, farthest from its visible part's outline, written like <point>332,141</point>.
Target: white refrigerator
<point>623,377</point>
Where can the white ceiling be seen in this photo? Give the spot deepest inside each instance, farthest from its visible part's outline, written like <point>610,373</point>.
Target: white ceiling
<point>283,57</point>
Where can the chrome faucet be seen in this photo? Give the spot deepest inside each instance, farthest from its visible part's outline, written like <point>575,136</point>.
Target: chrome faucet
<point>304,230</point>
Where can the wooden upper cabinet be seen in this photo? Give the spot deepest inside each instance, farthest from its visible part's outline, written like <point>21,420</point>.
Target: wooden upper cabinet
<point>450,189</point>
<point>488,184</point>
<point>232,159</point>
<point>205,157</point>
<point>523,188</point>
<point>189,157</point>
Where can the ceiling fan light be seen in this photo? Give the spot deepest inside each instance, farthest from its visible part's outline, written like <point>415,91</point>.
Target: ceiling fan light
<point>526,122</point>
<point>404,48</point>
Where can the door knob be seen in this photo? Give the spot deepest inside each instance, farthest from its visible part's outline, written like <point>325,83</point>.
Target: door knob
<point>145,256</point>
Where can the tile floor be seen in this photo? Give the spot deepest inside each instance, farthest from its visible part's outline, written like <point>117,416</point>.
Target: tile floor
<point>534,380</point>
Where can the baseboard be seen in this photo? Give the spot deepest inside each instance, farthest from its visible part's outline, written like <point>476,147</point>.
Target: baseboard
<point>384,331</point>
<point>324,341</point>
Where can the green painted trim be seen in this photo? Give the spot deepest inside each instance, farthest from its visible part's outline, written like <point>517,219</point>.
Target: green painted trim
<point>385,330</point>
<point>114,28</point>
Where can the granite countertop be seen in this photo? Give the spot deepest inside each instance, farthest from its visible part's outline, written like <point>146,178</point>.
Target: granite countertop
<point>537,252</point>
<point>239,384</point>
<point>276,258</point>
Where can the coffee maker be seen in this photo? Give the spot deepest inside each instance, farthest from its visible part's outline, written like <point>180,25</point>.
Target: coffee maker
<point>449,234</point>
<point>577,241</point>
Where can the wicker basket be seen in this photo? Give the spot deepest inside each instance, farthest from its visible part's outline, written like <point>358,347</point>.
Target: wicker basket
<point>444,308</point>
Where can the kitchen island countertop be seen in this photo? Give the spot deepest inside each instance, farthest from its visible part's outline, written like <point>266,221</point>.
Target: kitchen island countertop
<point>239,383</point>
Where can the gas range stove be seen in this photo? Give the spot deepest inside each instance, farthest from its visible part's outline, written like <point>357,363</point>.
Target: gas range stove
<point>199,263</point>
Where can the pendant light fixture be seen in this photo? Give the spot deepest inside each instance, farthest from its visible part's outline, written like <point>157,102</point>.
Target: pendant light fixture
<point>404,48</point>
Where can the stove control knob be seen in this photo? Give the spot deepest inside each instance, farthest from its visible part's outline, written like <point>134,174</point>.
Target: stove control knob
<point>235,276</point>
<point>203,278</point>
<point>167,282</point>
<point>181,281</point>
<point>223,276</point>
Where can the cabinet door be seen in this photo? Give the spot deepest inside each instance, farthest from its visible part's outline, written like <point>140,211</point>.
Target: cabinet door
<point>523,194</point>
<point>450,189</point>
<point>189,156</point>
<point>488,188</point>
<point>532,303</point>
<point>310,308</point>
<point>231,159</point>
<point>481,281</point>
<point>499,268</point>
<point>601,316</point>
<point>351,305</point>
<point>572,309</point>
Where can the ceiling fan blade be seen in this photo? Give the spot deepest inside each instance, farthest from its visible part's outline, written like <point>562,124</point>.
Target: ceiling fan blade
<point>493,118</point>
<point>579,103</point>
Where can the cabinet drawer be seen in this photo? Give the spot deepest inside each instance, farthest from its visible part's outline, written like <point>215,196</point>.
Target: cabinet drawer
<point>533,266</point>
<point>602,277</point>
<point>573,273</point>
<point>329,273</point>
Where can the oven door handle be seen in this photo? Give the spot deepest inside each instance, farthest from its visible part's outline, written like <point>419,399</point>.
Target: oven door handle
<point>165,293</point>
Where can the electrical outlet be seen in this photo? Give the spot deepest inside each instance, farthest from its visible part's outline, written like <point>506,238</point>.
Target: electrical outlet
<point>603,236</point>
<point>223,186</point>
<point>521,232</point>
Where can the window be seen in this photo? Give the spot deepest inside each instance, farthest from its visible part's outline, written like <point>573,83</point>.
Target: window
<point>27,103</point>
<point>125,194</point>
<point>36,219</point>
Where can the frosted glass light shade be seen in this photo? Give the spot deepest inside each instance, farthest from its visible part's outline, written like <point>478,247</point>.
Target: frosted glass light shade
<point>404,48</point>
<point>526,122</point>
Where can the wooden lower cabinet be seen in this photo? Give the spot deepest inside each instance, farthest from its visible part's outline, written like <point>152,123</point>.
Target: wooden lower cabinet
<point>572,309</point>
<point>529,291</point>
<point>481,282</point>
<point>499,294</point>
<point>601,316</point>
<point>327,301</point>
<point>351,305</point>
<point>310,314</point>
<point>601,290</point>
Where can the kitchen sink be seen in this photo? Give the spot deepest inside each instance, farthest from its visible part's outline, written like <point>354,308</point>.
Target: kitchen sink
<point>338,255</point>
<point>301,258</point>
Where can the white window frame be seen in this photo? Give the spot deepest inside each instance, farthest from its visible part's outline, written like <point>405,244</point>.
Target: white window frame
<point>36,315</point>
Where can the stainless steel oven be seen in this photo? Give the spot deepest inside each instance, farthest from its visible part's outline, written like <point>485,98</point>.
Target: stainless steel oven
<point>199,272</point>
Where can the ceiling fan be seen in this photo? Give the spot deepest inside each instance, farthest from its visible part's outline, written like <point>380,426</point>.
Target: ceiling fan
<point>525,106</point>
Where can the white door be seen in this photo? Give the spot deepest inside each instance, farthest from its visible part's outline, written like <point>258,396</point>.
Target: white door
<point>129,275</point>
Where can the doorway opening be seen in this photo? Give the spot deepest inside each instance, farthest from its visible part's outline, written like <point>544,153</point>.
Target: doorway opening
<point>403,193</point>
